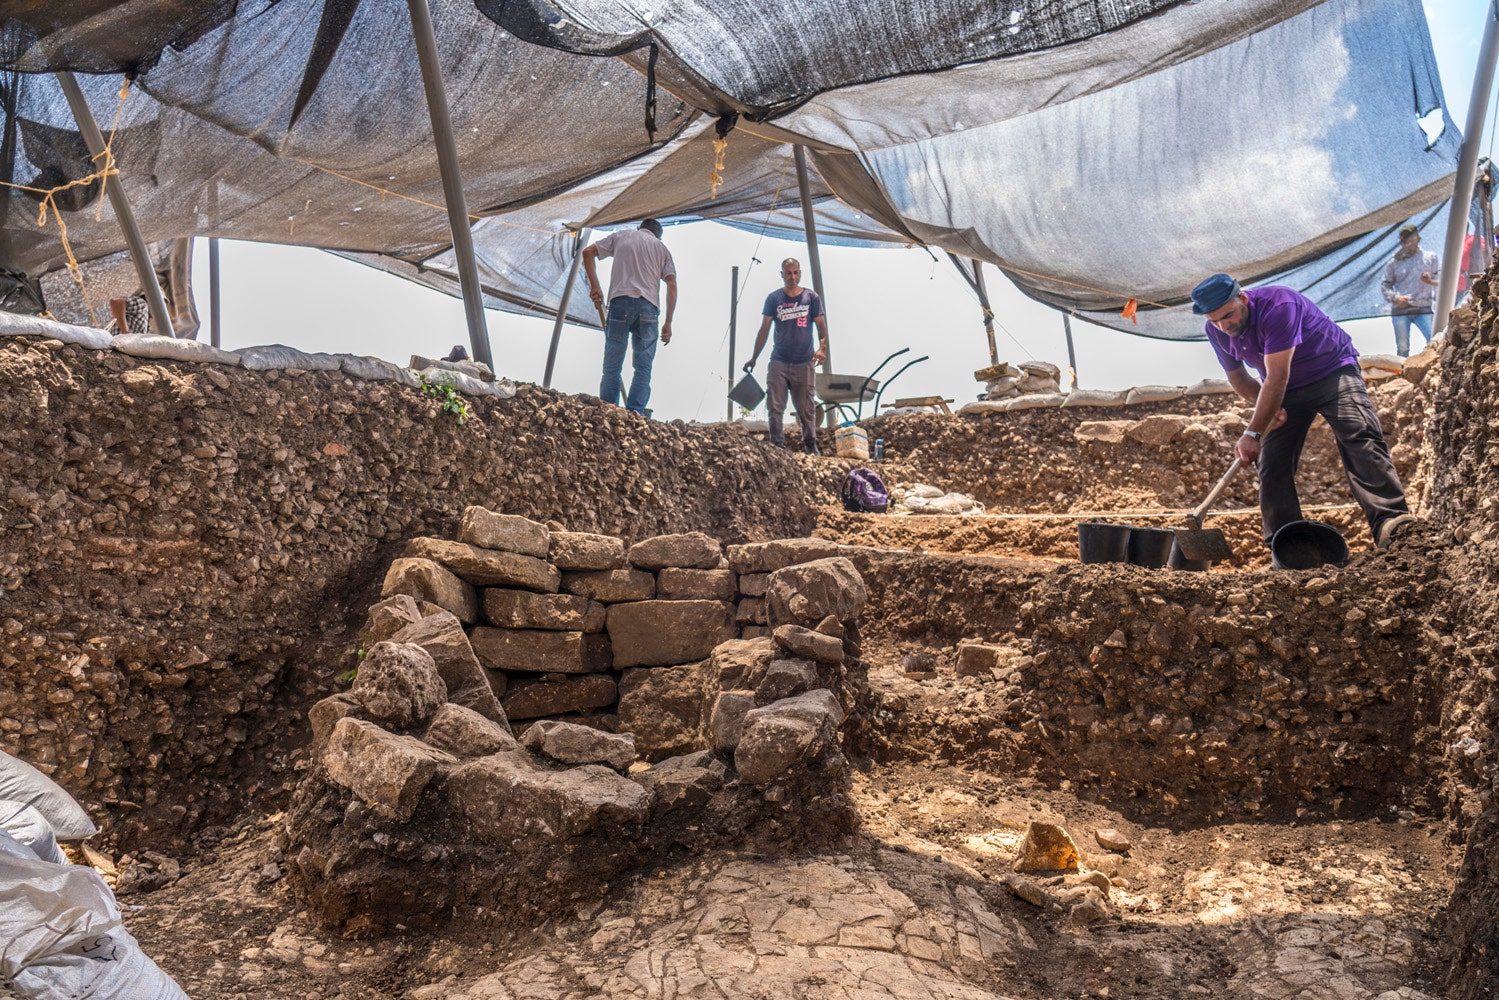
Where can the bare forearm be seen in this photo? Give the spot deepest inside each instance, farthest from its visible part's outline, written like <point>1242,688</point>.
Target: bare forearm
<point>1267,405</point>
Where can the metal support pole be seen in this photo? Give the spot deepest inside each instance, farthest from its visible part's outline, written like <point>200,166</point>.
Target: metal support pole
<point>452,180</point>
<point>567,297</point>
<point>1071,354</point>
<point>213,291</point>
<point>978,285</point>
<point>145,268</point>
<point>1467,169</point>
<point>733,331</point>
<point>810,222</point>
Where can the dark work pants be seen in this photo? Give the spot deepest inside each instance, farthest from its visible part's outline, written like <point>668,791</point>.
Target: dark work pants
<point>798,381</point>
<point>1343,401</point>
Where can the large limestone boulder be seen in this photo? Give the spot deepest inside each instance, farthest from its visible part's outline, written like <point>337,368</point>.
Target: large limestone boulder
<point>574,744</point>
<point>388,617</point>
<point>782,735</point>
<point>1102,431</point>
<point>807,593</point>
<point>425,580</point>
<point>676,584</point>
<point>533,699</point>
<point>1047,847</point>
<point>691,549</point>
<point>574,551</point>
<point>539,651</point>
<point>399,684</point>
<point>514,801</point>
<point>767,557</point>
<point>740,663</point>
<point>486,567</point>
<point>612,586</point>
<point>663,707</point>
<point>553,612</point>
<point>661,633</point>
<point>505,532</point>
<point>1158,429</point>
<point>387,771</point>
<point>463,732</point>
<point>442,636</point>
<point>686,782</point>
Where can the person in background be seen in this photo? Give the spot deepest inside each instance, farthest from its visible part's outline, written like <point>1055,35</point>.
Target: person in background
<point>1410,287</point>
<point>793,360</point>
<point>1307,366</point>
<point>641,264</point>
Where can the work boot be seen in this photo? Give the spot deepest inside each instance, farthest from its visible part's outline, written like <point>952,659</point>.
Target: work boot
<point>1391,528</point>
<point>810,447</point>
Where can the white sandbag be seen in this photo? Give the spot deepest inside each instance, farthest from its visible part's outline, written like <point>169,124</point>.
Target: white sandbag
<point>473,369</point>
<point>985,406</point>
<point>61,935</point>
<point>20,782</point>
<point>149,345</point>
<point>924,491</point>
<point>467,384</point>
<point>1153,394</point>
<point>1041,369</point>
<point>1208,387</point>
<point>32,829</point>
<point>1001,386</point>
<point>283,358</point>
<point>18,325</point>
<point>1036,401</point>
<point>1035,383</point>
<point>375,370</point>
<point>1095,397</point>
<point>1393,363</point>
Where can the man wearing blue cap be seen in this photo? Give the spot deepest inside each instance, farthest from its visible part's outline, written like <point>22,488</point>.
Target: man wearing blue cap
<point>1307,365</point>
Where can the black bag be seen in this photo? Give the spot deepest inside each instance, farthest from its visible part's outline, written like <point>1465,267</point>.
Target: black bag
<point>20,294</point>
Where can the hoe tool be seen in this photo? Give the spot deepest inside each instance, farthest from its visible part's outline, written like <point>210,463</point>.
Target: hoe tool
<point>1206,543</point>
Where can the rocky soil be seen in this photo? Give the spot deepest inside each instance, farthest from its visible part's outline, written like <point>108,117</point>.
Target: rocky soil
<point>1291,768</point>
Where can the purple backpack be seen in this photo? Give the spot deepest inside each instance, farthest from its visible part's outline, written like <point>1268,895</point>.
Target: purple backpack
<point>864,492</point>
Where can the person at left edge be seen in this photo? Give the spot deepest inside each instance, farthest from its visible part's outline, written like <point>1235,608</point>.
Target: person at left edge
<point>641,264</point>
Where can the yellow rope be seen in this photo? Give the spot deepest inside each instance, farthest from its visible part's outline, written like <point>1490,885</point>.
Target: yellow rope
<point>715,179</point>
<point>1089,515</point>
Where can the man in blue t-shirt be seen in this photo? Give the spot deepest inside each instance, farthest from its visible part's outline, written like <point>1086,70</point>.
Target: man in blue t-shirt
<point>792,360</point>
<point>1307,366</point>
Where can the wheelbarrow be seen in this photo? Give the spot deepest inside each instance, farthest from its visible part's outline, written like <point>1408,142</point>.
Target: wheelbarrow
<point>848,393</point>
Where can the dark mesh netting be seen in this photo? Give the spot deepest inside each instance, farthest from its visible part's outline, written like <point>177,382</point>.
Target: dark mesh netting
<point>1097,152</point>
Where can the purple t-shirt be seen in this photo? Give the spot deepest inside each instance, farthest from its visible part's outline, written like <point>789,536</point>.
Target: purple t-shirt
<point>1281,318</point>
<point>794,316</point>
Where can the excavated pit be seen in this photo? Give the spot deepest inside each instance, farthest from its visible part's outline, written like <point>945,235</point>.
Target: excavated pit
<point>1299,760</point>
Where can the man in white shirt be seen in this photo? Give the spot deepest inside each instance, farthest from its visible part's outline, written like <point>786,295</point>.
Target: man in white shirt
<point>641,263</point>
<point>1410,287</point>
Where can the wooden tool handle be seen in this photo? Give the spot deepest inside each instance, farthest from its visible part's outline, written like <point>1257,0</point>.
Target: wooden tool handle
<point>602,321</point>
<point>1202,508</point>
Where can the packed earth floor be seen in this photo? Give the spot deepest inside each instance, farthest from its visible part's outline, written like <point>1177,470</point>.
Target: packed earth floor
<point>1277,783</point>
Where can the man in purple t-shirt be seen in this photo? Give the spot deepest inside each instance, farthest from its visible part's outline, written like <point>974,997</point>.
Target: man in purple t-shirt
<point>1307,365</point>
<point>794,310</point>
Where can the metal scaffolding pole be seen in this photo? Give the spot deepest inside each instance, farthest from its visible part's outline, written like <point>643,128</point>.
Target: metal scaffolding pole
<point>1467,169</point>
<point>733,331</point>
<point>978,285</point>
<point>452,180</point>
<point>144,267</point>
<point>567,297</point>
<point>213,291</point>
<point>1071,354</point>
<point>813,260</point>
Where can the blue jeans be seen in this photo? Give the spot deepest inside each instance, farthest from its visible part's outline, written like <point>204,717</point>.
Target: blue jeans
<point>632,322</point>
<point>1422,322</point>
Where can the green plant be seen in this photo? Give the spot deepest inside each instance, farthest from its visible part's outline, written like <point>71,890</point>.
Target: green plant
<point>448,397</point>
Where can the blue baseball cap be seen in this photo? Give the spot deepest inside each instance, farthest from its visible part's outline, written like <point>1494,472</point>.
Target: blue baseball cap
<point>1214,293</point>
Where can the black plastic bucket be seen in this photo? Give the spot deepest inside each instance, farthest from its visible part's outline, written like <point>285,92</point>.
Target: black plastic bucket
<point>1307,545</point>
<point>1101,542</point>
<point>1150,547</point>
<point>1179,561</point>
<point>747,392</point>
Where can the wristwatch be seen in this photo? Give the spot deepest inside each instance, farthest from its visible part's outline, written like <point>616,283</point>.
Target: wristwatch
<point>1253,435</point>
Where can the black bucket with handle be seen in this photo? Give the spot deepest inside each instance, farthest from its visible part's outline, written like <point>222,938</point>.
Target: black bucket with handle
<point>1150,547</point>
<point>1307,545</point>
<point>747,392</point>
<point>1101,542</point>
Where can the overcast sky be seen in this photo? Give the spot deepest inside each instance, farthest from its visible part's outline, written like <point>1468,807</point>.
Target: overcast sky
<point>878,302</point>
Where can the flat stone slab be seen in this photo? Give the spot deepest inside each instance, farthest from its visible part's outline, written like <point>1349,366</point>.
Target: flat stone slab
<point>424,580</point>
<point>581,551</point>
<point>539,651</point>
<point>387,771</point>
<point>504,532</point>
<point>487,567</point>
<point>516,802</point>
<point>612,586</point>
<point>767,557</point>
<point>574,744</point>
<point>805,642</point>
<point>665,633</point>
<point>552,612</point>
<point>534,698</point>
<point>676,584</point>
<point>691,549</point>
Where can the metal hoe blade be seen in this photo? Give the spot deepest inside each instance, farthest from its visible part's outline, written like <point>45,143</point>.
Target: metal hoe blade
<point>1206,543</point>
